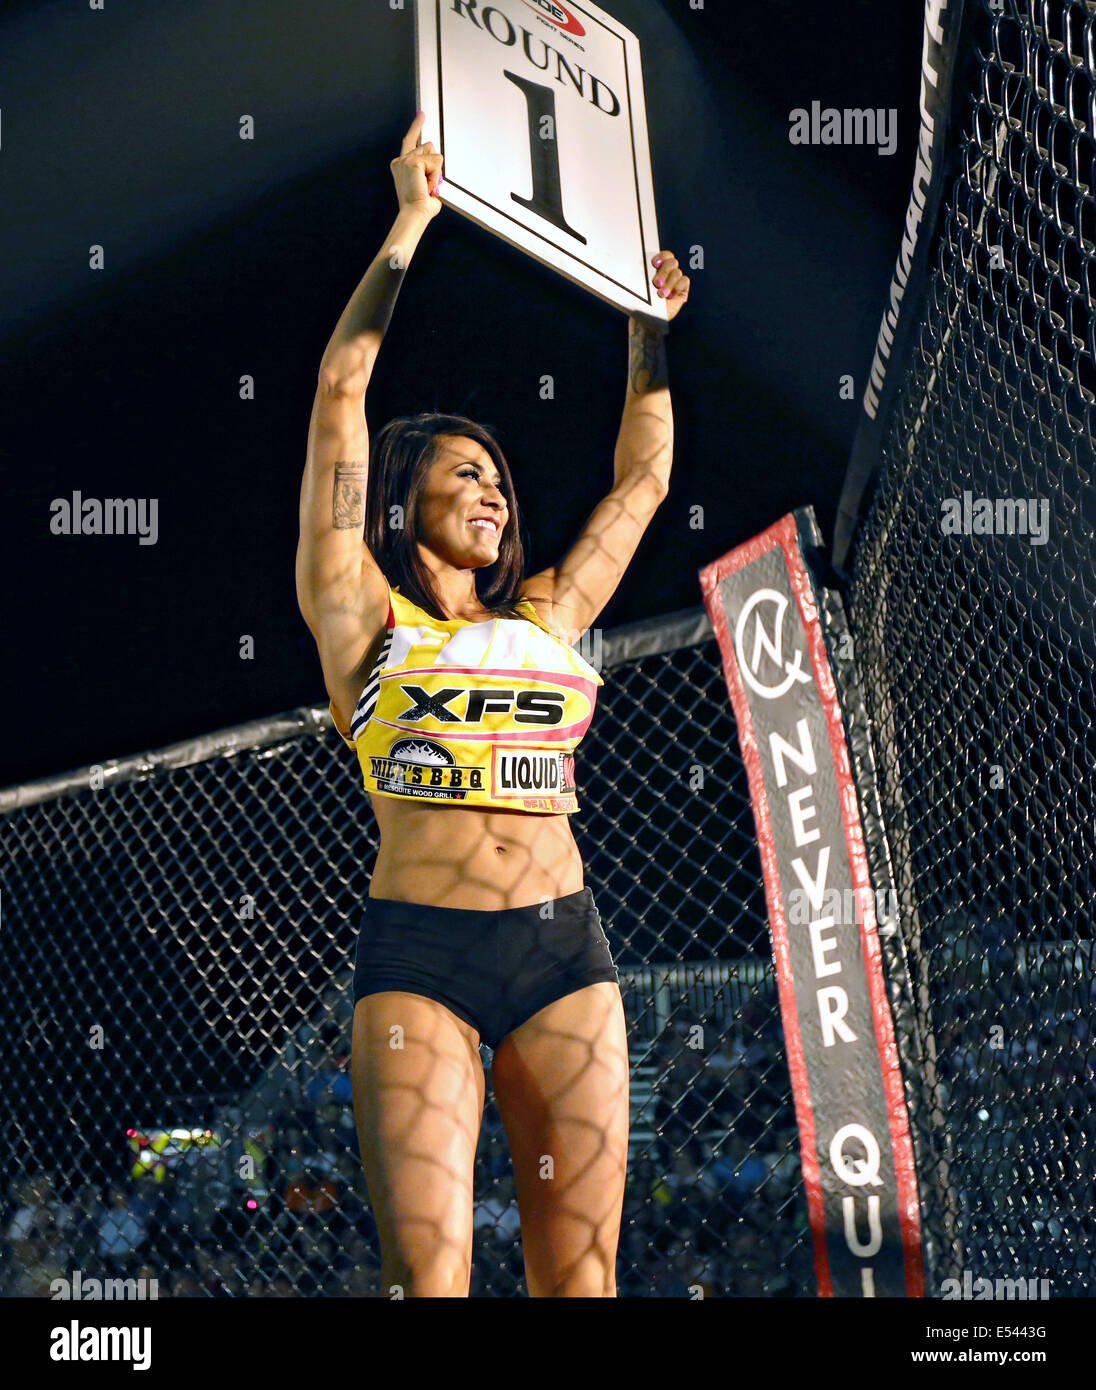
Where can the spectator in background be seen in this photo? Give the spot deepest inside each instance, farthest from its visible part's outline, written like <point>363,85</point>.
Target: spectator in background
<point>203,1261</point>
<point>741,1273</point>
<point>682,1179</point>
<point>258,1145</point>
<point>662,1196</point>
<point>785,1164</point>
<point>59,1212</point>
<point>331,1265</point>
<point>312,1193</point>
<point>174,1223</point>
<point>25,1210</point>
<point>38,1212</point>
<point>123,1232</point>
<point>742,1172</point>
<point>344,1220</point>
<point>226,1280</point>
<point>688,1097</point>
<point>38,1262</point>
<point>728,1054</point>
<point>286,1161</point>
<point>82,1231</point>
<point>682,1272</point>
<point>639,1192</point>
<point>496,1211</point>
<point>222,1214</point>
<point>634,1264</point>
<point>331,1081</point>
<point>334,1128</point>
<point>356,1250</point>
<point>492,1154</point>
<point>362,1283</point>
<point>310,1202</point>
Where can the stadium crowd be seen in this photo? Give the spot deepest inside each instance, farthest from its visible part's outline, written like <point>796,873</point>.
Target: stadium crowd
<point>712,1201</point>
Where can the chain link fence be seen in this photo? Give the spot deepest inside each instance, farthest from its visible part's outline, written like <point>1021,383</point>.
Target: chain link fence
<point>177,948</point>
<point>973,606</point>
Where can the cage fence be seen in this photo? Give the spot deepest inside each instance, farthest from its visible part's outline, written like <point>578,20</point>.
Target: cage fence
<point>972,608</point>
<point>177,941</point>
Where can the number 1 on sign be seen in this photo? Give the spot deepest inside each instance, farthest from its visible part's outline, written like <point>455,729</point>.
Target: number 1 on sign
<point>547,201</point>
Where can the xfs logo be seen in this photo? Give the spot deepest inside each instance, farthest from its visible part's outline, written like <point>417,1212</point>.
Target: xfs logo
<point>528,706</point>
<point>556,14</point>
<point>764,662</point>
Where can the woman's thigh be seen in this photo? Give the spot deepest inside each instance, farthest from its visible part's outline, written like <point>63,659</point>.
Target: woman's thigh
<point>561,1084</point>
<point>418,1104</point>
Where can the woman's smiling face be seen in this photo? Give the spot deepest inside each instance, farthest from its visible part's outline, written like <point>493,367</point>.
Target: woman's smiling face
<point>462,510</point>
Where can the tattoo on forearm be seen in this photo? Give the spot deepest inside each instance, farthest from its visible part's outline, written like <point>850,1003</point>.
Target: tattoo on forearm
<point>349,503</point>
<point>646,358</point>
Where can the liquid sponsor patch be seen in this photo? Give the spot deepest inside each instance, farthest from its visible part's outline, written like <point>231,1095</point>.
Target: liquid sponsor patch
<point>523,772</point>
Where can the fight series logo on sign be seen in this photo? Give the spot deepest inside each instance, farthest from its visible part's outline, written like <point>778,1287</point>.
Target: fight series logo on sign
<point>854,1129</point>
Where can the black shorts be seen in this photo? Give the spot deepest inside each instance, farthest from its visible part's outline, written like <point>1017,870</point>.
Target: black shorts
<point>494,970</point>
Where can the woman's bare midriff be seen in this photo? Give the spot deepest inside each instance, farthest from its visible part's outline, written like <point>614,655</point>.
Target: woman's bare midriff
<point>453,856</point>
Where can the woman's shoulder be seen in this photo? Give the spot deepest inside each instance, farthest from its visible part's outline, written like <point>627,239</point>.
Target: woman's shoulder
<point>537,609</point>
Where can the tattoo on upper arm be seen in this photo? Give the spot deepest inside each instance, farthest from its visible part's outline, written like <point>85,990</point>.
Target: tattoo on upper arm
<point>349,495</point>
<point>646,358</point>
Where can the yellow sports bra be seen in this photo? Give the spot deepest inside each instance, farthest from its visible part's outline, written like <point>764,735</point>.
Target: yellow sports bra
<point>485,714</point>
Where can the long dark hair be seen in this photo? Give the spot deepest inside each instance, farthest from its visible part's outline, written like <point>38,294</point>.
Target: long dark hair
<point>399,461</point>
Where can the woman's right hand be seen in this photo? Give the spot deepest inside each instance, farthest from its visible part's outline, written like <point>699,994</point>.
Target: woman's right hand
<point>417,172</point>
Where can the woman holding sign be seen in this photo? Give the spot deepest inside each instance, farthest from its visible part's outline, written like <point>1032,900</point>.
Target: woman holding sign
<point>454,678</point>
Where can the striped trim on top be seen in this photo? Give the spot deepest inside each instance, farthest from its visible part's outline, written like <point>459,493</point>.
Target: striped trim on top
<point>363,710</point>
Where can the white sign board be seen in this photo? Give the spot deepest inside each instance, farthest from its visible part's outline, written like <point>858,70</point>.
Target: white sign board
<point>537,106</point>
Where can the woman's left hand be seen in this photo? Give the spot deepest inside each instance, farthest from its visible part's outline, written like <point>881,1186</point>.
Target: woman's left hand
<point>669,282</point>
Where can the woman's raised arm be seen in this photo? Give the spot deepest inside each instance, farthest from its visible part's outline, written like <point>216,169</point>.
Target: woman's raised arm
<point>341,593</point>
<point>569,596</point>
<point>349,356</point>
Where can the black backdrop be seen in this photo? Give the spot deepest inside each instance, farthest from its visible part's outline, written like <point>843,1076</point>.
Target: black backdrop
<point>226,257</point>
